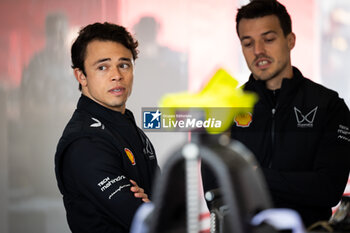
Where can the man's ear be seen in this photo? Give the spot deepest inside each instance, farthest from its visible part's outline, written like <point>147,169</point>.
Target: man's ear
<point>80,77</point>
<point>291,40</point>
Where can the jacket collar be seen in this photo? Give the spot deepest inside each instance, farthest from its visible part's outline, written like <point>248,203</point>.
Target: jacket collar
<point>287,91</point>
<point>95,109</point>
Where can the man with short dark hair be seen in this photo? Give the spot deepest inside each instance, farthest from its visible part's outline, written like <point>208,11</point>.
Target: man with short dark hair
<point>105,164</point>
<point>299,130</point>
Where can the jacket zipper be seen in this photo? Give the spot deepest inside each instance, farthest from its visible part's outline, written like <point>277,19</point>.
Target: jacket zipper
<point>273,111</point>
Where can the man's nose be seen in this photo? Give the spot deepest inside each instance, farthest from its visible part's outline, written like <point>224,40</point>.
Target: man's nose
<point>116,75</point>
<point>259,48</point>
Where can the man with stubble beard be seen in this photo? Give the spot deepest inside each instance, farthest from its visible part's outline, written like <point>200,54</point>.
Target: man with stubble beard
<point>298,130</point>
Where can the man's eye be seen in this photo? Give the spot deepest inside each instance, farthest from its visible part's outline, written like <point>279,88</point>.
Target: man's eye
<point>269,40</point>
<point>124,65</point>
<point>102,67</point>
<point>247,45</point>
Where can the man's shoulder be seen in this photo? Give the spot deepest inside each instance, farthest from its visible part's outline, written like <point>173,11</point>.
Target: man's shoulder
<point>319,93</point>
<point>84,125</point>
<point>317,87</point>
<point>324,97</point>
<point>312,89</point>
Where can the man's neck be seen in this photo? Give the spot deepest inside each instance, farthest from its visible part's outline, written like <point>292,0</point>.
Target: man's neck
<point>276,83</point>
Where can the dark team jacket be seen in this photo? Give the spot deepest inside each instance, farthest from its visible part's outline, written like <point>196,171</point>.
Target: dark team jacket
<point>99,152</point>
<point>301,140</point>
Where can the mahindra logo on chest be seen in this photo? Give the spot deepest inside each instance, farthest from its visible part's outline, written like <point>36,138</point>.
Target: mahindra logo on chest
<point>305,120</point>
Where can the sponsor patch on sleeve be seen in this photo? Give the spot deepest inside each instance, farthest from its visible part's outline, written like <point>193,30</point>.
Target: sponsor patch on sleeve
<point>113,186</point>
<point>344,133</point>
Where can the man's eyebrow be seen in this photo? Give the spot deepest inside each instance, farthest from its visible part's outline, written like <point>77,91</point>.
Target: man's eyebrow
<point>245,37</point>
<point>101,60</point>
<point>109,59</point>
<point>268,32</point>
<point>125,59</point>
<point>263,34</point>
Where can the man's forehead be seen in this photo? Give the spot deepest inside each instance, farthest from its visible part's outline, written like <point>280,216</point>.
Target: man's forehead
<point>259,26</point>
<point>99,49</point>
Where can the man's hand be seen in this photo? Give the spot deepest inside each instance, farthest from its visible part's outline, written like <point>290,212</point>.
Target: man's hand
<point>139,192</point>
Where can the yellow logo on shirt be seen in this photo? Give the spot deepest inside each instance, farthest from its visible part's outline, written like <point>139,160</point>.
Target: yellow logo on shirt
<point>244,119</point>
<point>130,156</point>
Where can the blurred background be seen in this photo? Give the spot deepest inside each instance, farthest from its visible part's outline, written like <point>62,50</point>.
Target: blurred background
<point>182,44</point>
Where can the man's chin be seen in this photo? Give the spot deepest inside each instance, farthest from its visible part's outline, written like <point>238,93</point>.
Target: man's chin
<point>262,77</point>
